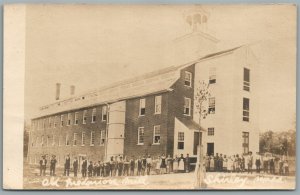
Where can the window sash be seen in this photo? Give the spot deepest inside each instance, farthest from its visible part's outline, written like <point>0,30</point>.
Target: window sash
<point>69,119</point>
<point>158,104</point>
<point>75,139</point>
<point>92,143</point>
<point>104,113</point>
<point>211,131</point>
<point>181,136</point>
<point>102,138</point>
<point>62,120</point>
<point>141,135</point>
<point>156,134</point>
<point>76,118</point>
<point>94,115</point>
<point>83,138</point>
<point>188,79</point>
<point>84,117</point>
<point>187,106</point>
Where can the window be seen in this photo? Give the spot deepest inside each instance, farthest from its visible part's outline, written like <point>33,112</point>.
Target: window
<point>84,117</point>
<point>142,107</point>
<point>104,113</point>
<point>188,79</point>
<point>92,143</point>
<point>211,105</point>
<point>76,118</point>
<point>94,115</point>
<point>156,134</point>
<point>187,106</point>
<point>102,138</point>
<point>37,141</point>
<point>53,140</point>
<point>211,131</point>
<point>44,124</point>
<point>180,140</point>
<point>59,142</point>
<point>55,122</point>
<point>141,136</point>
<point>157,104</point>
<point>50,122</point>
<point>75,139</point>
<point>212,75</point>
<point>83,138</point>
<point>67,140</point>
<point>246,108</point>
<point>69,119</point>
<point>246,142</point>
<point>47,141</point>
<point>62,120</point>
<point>42,141</point>
<point>246,79</point>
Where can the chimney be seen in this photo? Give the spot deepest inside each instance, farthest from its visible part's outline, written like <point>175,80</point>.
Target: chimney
<point>57,91</point>
<point>72,89</point>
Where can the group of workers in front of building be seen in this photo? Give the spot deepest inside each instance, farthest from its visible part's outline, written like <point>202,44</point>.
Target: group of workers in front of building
<point>146,165</point>
<point>120,166</point>
<point>242,163</point>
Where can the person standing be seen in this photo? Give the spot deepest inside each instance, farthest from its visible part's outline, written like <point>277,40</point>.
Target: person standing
<point>52,166</point>
<point>225,163</point>
<point>120,166</point>
<point>149,164</point>
<point>272,166</point>
<point>75,166</point>
<point>132,166</point>
<point>187,163</point>
<point>257,163</point>
<point>90,169</point>
<point>126,166</point>
<point>144,165</point>
<point>216,162</point>
<point>84,167</point>
<point>181,163</point>
<point>112,166</point>
<point>175,164</point>
<point>67,166</point>
<point>221,163</point>
<point>250,162</point>
<point>43,164</point>
<point>163,165</point>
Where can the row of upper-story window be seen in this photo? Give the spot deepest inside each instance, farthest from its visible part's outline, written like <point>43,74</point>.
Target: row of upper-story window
<point>68,140</point>
<point>72,119</point>
<point>246,77</point>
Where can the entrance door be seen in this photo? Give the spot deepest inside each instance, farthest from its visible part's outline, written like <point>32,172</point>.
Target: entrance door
<point>196,142</point>
<point>210,148</point>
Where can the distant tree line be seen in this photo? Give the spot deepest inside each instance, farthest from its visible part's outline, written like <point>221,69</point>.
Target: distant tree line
<point>281,143</point>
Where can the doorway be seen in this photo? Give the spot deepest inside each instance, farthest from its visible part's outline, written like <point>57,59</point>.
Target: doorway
<point>210,149</point>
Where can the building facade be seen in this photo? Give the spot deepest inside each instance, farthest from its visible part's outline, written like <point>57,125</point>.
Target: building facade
<point>155,113</point>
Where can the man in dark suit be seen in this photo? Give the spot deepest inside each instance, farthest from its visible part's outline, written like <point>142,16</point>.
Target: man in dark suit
<point>187,163</point>
<point>84,168</point>
<point>75,166</point>
<point>52,166</point>
<point>67,166</point>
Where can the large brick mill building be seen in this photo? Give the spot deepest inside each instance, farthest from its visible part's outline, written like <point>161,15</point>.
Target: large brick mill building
<point>155,113</point>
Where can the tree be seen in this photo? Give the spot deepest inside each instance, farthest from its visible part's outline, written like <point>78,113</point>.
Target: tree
<point>202,95</point>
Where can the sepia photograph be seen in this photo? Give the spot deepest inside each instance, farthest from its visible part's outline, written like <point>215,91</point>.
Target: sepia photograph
<point>150,97</point>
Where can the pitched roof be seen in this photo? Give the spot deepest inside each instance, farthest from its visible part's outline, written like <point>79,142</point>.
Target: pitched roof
<point>146,84</point>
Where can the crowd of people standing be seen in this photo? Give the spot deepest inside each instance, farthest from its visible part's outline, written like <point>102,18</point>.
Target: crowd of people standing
<point>120,166</point>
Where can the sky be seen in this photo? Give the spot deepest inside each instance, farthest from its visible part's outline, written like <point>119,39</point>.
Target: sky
<point>93,46</point>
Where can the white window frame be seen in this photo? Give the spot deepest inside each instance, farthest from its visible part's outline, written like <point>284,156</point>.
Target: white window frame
<point>55,122</point>
<point>102,138</point>
<point>92,140</point>
<point>179,140</point>
<point>69,122</point>
<point>212,75</point>
<point>142,106</point>
<point>53,140</point>
<point>76,118</point>
<point>246,112</point>
<point>94,113</point>
<point>67,141</point>
<point>83,136</point>
<point>190,80</point>
<point>62,120</point>
<point>155,129</point>
<point>190,106</point>
<point>143,130</point>
<point>84,117</point>
<point>104,113</point>
<point>75,139</point>
<point>210,131</point>
<point>50,122</point>
<point>210,105</point>
<point>246,84</point>
<point>157,105</point>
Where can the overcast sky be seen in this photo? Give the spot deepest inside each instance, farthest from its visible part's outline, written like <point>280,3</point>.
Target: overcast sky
<point>92,46</point>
